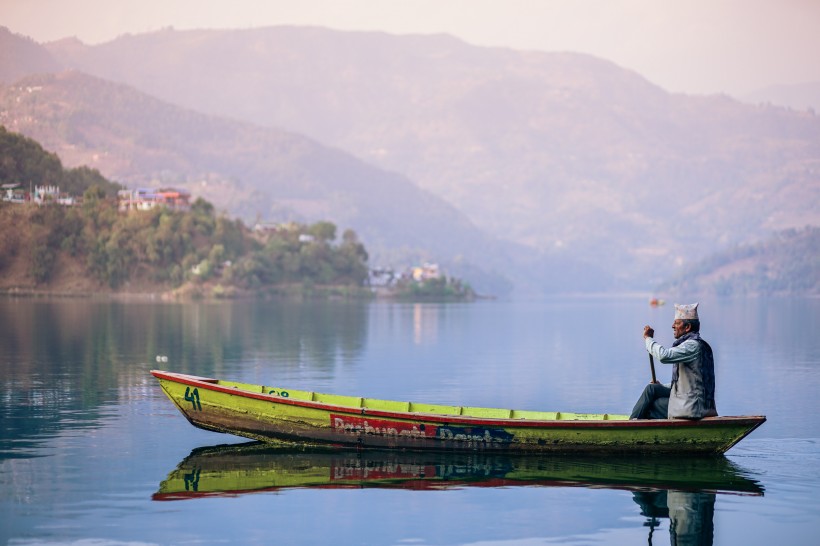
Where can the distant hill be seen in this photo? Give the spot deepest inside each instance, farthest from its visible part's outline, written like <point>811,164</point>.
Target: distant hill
<point>20,56</point>
<point>802,96</point>
<point>571,156</point>
<point>562,172</point>
<point>251,171</point>
<point>788,263</point>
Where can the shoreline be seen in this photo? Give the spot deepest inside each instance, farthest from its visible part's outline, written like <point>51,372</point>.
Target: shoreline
<point>187,294</point>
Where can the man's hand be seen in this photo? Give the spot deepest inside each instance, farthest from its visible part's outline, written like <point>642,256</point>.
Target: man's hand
<point>648,332</point>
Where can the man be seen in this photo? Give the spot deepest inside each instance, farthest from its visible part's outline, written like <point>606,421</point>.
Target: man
<point>691,395</point>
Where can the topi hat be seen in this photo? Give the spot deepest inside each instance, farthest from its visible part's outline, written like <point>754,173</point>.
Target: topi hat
<point>688,311</point>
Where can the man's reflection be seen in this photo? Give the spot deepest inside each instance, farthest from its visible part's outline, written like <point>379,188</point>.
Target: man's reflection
<point>691,515</point>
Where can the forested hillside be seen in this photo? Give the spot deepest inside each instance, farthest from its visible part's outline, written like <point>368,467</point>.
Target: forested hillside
<point>24,161</point>
<point>93,246</point>
<point>788,263</point>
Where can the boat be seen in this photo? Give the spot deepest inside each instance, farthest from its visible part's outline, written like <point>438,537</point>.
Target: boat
<point>279,415</point>
<point>258,467</point>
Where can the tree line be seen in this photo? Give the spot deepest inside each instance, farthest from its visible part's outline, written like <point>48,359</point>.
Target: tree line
<point>164,246</point>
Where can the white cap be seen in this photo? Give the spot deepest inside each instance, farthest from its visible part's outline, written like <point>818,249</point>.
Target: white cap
<point>687,311</point>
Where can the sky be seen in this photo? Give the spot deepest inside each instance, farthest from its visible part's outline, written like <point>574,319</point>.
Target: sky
<point>689,46</point>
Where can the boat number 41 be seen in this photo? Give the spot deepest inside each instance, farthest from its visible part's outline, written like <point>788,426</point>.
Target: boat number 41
<point>193,398</point>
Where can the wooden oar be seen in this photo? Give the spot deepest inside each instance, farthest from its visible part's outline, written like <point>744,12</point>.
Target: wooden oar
<point>652,367</point>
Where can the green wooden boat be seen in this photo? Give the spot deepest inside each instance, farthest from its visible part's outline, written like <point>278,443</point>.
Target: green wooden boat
<point>230,470</point>
<point>275,414</point>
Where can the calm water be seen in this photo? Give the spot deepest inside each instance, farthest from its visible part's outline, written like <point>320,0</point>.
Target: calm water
<point>91,452</point>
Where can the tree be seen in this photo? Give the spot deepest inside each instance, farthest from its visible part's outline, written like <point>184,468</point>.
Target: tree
<point>323,231</point>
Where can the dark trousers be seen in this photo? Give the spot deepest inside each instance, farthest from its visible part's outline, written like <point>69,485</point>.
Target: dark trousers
<point>653,403</point>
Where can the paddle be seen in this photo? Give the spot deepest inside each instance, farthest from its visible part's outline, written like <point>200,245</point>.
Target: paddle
<point>648,331</point>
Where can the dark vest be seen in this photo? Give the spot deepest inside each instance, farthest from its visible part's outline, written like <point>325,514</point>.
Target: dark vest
<point>707,366</point>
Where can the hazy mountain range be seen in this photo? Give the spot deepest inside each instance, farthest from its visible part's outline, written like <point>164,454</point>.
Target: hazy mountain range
<point>802,96</point>
<point>556,170</point>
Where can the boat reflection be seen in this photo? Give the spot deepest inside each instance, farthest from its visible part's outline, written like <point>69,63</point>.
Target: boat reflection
<point>681,490</point>
<point>254,467</point>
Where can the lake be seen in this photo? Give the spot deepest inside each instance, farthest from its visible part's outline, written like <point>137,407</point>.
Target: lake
<point>93,453</point>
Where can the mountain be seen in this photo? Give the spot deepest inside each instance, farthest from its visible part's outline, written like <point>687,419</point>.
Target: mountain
<point>803,96</point>
<point>21,56</point>
<point>572,157</point>
<point>255,172</point>
<point>579,166</point>
<point>787,263</point>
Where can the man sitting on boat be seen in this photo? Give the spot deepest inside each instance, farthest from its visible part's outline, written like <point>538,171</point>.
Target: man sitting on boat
<point>691,395</point>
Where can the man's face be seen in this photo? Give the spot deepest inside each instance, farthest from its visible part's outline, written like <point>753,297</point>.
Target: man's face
<point>679,328</point>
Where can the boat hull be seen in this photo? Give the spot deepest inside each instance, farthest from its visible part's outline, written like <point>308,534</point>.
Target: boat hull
<point>276,415</point>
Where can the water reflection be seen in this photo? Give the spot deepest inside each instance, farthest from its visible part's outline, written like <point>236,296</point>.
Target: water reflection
<point>75,391</point>
<point>691,514</point>
<point>425,323</point>
<point>63,361</point>
<point>680,490</point>
<point>255,466</point>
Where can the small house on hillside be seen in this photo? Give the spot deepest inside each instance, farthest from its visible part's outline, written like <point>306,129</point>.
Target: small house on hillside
<point>51,194</point>
<point>13,193</point>
<point>426,272</point>
<point>149,198</point>
<point>382,277</point>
